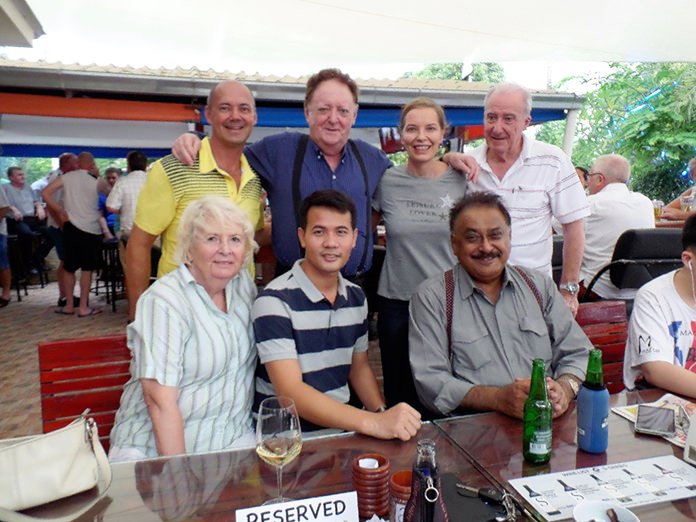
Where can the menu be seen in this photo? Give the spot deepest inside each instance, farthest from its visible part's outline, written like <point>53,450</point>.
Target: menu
<point>635,483</point>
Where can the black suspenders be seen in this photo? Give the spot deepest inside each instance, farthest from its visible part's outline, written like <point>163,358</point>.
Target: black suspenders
<point>297,174</point>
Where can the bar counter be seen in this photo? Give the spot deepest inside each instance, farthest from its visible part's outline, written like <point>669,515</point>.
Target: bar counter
<point>670,223</point>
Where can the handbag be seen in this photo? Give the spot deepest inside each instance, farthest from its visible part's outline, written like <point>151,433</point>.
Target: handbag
<point>39,469</point>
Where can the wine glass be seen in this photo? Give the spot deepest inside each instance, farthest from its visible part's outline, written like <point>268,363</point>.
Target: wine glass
<point>278,437</point>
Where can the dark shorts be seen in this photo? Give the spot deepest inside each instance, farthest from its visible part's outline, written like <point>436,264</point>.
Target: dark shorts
<point>56,234</point>
<point>4,258</point>
<point>82,249</point>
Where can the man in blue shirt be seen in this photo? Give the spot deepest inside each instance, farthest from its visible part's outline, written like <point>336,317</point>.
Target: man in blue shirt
<point>292,165</point>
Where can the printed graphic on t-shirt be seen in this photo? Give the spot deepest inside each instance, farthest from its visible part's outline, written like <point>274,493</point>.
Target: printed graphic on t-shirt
<point>428,212</point>
<point>677,332</point>
<point>645,345</point>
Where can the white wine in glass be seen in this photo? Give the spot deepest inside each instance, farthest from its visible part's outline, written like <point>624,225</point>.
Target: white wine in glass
<point>278,437</point>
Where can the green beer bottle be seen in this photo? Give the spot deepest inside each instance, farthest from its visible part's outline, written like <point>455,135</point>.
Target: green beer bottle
<point>536,438</point>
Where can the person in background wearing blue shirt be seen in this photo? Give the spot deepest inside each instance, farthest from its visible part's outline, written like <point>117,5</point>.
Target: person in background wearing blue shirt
<point>111,174</point>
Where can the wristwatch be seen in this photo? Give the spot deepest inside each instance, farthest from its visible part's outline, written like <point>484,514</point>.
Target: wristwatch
<point>574,386</point>
<point>571,288</point>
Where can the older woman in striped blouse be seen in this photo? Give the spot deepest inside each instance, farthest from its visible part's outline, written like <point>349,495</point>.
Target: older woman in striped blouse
<point>193,348</point>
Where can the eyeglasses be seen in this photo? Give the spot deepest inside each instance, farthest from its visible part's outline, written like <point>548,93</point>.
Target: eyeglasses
<point>593,174</point>
<point>343,112</point>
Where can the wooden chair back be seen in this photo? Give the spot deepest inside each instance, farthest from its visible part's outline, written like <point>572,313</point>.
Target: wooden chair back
<point>77,374</point>
<point>606,325</point>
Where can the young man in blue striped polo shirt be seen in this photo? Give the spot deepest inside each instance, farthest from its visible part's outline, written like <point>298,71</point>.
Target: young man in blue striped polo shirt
<point>311,331</point>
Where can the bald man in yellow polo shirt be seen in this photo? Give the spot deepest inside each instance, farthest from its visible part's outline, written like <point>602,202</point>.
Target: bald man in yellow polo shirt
<point>220,169</point>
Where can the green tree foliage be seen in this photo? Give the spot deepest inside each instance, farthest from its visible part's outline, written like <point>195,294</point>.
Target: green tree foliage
<point>647,113</point>
<point>552,132</point>
<point>36,168</point>
<point>487,72</point>
<point>482,72</point>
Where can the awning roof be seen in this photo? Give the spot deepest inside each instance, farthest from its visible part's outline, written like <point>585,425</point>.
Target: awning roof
<point>249,35</point>
<point>48,107</point>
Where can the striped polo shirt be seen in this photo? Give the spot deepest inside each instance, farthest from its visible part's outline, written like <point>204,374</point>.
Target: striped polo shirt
<point>293,320</point>
<point>172,186</point>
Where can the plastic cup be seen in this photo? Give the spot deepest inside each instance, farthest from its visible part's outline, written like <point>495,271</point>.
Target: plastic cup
<point>657,209</point>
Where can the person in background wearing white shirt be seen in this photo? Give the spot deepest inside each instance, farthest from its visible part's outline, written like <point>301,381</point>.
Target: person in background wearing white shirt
<point>614,209</point>
<point>67,162</point>
<point>5,274</point>
<point>123,199</point>
<point>124,196</point>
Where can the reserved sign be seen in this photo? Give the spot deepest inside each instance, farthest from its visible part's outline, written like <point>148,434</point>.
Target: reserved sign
<point>341,507</point>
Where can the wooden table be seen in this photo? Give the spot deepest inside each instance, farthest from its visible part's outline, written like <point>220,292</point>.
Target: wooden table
<point>213,486</point>
<point>494,442</point>
<point>482,450</point>
<point>669,223</point>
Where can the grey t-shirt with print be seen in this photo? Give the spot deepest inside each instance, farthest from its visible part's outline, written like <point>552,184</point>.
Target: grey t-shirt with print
<point>416,215</point>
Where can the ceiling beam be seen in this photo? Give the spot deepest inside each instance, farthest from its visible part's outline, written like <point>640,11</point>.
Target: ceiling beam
<point>18,24</point>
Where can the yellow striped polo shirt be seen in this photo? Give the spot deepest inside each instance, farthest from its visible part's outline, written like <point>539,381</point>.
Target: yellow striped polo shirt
<point>171,186</point>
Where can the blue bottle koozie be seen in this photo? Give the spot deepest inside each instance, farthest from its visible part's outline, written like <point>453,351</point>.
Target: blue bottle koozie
<point>593,408</point>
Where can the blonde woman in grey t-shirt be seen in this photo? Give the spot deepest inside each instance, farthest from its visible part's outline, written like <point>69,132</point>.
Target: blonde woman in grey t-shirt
<point>414,201</point>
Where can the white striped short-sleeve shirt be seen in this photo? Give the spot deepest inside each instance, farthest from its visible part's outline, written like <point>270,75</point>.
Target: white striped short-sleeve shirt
<point>124,197</point>
<point>540,185</point>
<point>181,339</point>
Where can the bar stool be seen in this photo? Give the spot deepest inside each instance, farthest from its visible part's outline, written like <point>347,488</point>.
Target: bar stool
<point>43,274</point>
<point>111,273</point>
<point>19,276</point>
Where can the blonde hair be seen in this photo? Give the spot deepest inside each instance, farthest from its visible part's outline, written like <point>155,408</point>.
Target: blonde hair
<point>423,102</point>
<point>212,210</point>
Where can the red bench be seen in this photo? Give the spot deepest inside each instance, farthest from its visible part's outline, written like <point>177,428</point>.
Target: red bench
<point>77,374</point>
<point>606,324</point>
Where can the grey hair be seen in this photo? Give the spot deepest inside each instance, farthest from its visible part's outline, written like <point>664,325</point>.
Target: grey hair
<point>215,210</point>
<point>615,167</point>
<point>510,87</point>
